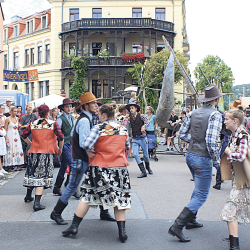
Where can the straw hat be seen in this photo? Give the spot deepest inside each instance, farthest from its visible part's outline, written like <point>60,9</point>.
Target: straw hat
<point>211,93</point>
<point>235,104</point>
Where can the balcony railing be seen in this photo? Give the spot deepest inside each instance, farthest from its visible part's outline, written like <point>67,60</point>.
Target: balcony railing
<point>98,61</point>
<point>91,23</point>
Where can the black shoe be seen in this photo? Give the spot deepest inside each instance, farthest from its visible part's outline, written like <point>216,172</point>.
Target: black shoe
<point>172,149</point>
<point>218,182</point>
<point>37,206</point>
<point>104,215</point>
<point>57,191</point>
<point>57,187</point>
<point>165,143</point>
<point>148,168</point>
<point>193,223</point>
<point>56,214</point>
<point>234,243</point>
<point>28,196</point>
<point>143,171</point>
<point>73,229</point>
<point>76,195</point>
<point>122,232</point>
<point>26,199</point>
<point>167,149</point>
<point>180,222</point>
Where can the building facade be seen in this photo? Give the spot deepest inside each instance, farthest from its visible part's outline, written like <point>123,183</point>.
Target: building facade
<point>1,46</point>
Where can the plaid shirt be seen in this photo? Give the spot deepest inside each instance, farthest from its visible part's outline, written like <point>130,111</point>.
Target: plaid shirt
<point>238,152</point>
<point>212,134</point>
<point>57,132</point>
<point>144,119</point>
<point>91,140</point>
<point>69,118</point>
<point>95,120</point>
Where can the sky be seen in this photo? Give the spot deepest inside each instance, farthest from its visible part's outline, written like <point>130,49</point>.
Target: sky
<point>214,27</point>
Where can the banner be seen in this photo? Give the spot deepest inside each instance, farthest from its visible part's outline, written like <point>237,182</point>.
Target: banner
<point>20,76</point>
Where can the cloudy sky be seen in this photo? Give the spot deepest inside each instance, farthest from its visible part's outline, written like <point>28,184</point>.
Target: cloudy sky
<point>214,27</point>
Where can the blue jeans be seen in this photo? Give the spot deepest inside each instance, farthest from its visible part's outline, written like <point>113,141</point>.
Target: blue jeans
<point>77,170</point>
<point>66,159</point>
<point>201,168</point>
<point>136,143</point>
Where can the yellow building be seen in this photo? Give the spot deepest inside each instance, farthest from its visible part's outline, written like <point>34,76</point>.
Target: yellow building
<point>86,28</point>
<point>1,46</point>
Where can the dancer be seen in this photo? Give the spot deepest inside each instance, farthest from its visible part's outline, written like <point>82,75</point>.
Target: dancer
<point>237,207</point>
<point>139,124</point>
<point>40,168</point>
<point>107,181</point>
<point>201,128</point>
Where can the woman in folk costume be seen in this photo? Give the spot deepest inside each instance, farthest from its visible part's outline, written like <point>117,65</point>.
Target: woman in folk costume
<point>237,208</point>
<point>107,181</point>
<point>14,157</point>
<point>40,168</point>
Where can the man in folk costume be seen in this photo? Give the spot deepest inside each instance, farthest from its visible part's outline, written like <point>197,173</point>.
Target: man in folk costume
<point>80,161</point>
<point>65,122</point>
<point>139,124</point>
<point>201,129</point>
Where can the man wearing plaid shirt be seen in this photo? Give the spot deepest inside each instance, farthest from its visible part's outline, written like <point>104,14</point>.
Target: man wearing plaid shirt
<point>201,129</point>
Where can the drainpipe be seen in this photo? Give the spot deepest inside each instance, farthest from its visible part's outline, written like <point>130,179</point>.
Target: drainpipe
<point>173,9</point>
<point>62,9</point>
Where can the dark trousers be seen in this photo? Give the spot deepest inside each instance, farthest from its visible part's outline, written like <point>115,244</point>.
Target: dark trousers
<point>66,159</point>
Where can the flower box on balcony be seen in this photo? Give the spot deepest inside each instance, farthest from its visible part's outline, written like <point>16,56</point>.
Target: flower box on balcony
<point>132,57</point>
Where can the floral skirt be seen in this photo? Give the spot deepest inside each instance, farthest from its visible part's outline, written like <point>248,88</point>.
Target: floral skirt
<point>109,187</point>
<point>39,171</point>
<point>237,207</point>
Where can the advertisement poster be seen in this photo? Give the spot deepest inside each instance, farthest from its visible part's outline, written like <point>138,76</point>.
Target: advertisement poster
<point>20,76</point>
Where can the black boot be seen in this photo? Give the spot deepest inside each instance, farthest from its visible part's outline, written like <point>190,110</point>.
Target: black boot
<point>67,181</point>
<point>37,206</point>
<point>57,187</point>
<point>76,195</point>
<point>234,243</point>
<point>143,171</point>
<point>73,229</point>
<point>180,222</point>
<point>148,168</point>
<point>104,215</point>
<point>122,232</point>
<point>56,214</point>
<point>28,196</point>
<point>218,181</point>
<point>193,223</point>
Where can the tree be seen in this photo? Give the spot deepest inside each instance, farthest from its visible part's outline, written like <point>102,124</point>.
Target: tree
<point>78,87</point>
<point>154,73</point>
<point>217,73</point>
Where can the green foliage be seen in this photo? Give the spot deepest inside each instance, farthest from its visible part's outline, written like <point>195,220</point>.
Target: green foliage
<point>78,87</point>
<point>105,101</point>
<point>214,66</point>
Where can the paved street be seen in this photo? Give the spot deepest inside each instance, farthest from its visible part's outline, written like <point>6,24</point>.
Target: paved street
<point>156,202</point>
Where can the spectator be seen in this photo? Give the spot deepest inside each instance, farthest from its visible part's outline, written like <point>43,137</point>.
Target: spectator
<point>7,106</point>
<point>19,112</point>
<point>133,97</point>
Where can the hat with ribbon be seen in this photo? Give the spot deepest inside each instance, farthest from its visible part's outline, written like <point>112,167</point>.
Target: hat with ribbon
<point>235,104</point>
<point>87,98</point>
<point>211,93</point>
<point>133,104</point>
<point>66,101</point>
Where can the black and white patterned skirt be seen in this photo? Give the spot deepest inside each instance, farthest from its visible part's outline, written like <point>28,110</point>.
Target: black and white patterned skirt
<point>109,187</point>
<point>39,171</point>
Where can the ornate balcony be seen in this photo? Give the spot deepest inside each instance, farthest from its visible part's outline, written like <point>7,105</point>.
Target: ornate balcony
<point>97,23</point>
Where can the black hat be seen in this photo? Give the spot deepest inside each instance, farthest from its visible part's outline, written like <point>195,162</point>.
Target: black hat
<point>133,104</point>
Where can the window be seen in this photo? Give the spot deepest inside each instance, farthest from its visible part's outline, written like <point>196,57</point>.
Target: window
<point>27,57</point>
<point>40,86</point>
<point>136,47</point>
<point>40,49</point>
<point>72,48</point>
<point>27,89</point>
<point>73,14</point>
<point>97,13</point>
<point>96,88</point>
<point>47,87</point>
<point>15,31</point>
<point>137,12</point>
<point>44,22</point>
<point>32,91</point>
<point>5,62</point>
<point>16,56</point>
<point>5,35</point>
<point>32,56</point>
<point>47,53</point>
<point>160,46</point>
<point>29,26</point>
<point>96,47</point>
<point>160,13</point>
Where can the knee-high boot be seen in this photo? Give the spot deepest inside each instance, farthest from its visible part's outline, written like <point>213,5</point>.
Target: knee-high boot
<point>234,243</point>
<point>218,181</point>
<point>57,187</point>
<point>56,214</point>
<point>180,222</point>
<point>148,168</point>
<point>122,232</point>
<point>37,206</point>
<point>73,229</point>
<point>143,171</point>
<point>28,196</point>
<point>193,223</point>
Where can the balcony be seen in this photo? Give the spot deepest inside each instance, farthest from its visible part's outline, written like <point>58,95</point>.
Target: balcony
<point>98,61</point>
<point>97,23</point>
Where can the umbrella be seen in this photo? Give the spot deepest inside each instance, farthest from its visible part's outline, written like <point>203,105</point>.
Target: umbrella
<point>50,100</point>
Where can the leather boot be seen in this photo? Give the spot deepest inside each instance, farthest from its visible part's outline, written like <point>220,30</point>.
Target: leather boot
<point>234,243</point>
<point>180,222</point>
<point>57,187</point>
<point>148,168</point>
<point>193,223</point>
<point>73,229</point>
<point>56,214</point>
<point>122,232</point>
<point>143,171</point>
<point>104,215</point>
<point>218,181</point>
<point>76,195</point>
<point>28,196</point>
<point>67,181</point>
<point>37,206</point>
